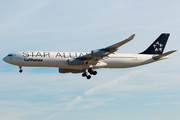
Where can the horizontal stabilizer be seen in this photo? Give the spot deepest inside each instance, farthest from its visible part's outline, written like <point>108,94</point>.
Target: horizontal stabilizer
<point>163,55</point>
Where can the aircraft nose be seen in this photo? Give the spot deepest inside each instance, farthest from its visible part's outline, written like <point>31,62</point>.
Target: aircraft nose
<point>5,59</point>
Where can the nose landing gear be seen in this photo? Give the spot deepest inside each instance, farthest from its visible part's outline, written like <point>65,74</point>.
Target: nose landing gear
<point>20,69</point>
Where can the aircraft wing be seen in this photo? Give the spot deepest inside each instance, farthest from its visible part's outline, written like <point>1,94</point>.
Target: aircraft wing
<point>117,45</point>
<point>99,54</point>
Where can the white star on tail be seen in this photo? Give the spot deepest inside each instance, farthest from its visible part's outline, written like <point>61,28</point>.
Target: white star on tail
<point>158,46</point>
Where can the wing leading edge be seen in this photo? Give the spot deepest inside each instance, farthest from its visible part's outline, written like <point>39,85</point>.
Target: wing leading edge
<point>99,54</point>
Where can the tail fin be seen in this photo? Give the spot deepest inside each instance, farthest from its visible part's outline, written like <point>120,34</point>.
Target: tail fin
<point>157,47</point>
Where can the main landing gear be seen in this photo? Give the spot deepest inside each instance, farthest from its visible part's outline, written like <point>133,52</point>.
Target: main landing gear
<point>20,69</point>
<point>90,70</point>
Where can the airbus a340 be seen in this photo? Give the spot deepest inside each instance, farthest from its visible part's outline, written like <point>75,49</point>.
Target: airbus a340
<point>86,63</point>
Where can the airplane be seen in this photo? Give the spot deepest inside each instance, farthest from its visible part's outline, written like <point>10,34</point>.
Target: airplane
<point>86,63</point>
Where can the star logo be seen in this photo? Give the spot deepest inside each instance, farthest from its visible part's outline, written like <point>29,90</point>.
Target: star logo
<point>158,46</point>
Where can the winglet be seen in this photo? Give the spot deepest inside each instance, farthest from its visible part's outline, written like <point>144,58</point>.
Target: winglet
<point>163,55</point>
<point>131,37</point>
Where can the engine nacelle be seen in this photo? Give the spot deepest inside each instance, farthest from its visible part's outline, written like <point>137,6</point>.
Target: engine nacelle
<point>63,70</point>
<point>75,62</point>
<point>98,53</point>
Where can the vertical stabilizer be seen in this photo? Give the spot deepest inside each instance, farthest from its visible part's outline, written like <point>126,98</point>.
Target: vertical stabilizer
<point>157,47</point>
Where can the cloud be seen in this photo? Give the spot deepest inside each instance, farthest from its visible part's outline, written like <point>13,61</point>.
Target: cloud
<point>71,105</point>
<point>162,103</point>
<point>94,102</point>
<point>102,89</point>
<point>113,85</point>
<point>18,109</point>
<point>114,117</point>
<point>16,16</point>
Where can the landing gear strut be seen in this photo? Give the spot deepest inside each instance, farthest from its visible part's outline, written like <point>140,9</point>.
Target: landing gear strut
<point>20,69</point>
<point>90,70</point>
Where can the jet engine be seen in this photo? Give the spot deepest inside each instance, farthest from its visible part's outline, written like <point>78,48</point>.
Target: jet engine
<point>63,70</point>
<point>75,62</point>
<point>99,53</point>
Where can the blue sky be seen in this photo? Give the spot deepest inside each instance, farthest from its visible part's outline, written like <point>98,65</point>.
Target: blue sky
<point>148,92</point>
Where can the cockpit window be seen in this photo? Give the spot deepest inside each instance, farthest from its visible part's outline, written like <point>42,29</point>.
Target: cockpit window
<point>10,55</point>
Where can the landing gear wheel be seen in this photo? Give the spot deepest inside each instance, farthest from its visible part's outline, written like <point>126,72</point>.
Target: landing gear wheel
<point>90,70</point>
<point>94,72</point>
<point>84,74</point>
<point>20,71</point>
<point>88,77</point>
